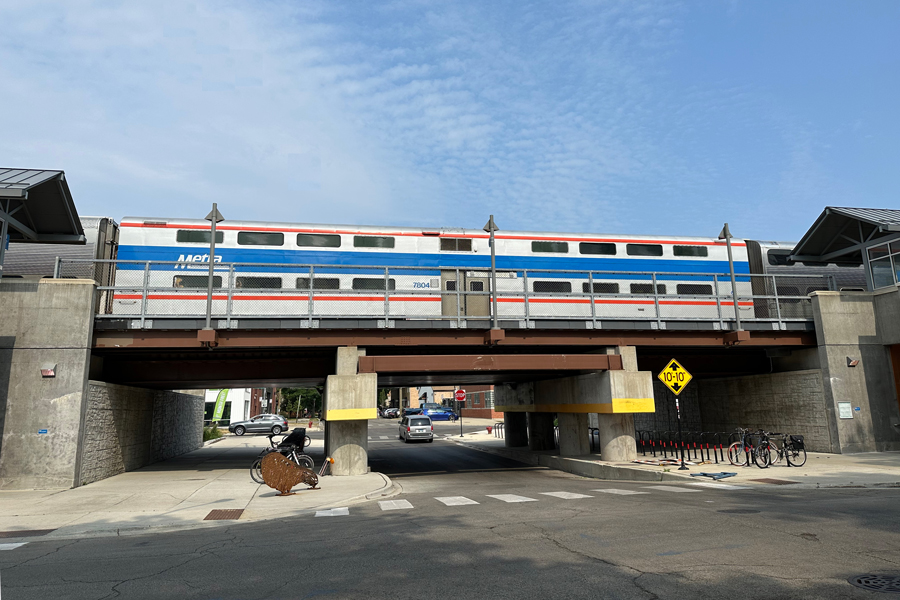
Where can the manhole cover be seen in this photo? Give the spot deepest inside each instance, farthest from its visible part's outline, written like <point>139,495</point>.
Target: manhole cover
<point>775,481</point>
<point>739,511</point>
<point>889,584</point>
<point>224,514</point>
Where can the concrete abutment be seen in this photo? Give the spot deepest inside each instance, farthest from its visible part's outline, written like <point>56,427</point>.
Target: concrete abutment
<point>350,402</point>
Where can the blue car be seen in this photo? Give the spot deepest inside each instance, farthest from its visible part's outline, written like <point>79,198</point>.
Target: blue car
<point>441,414</point>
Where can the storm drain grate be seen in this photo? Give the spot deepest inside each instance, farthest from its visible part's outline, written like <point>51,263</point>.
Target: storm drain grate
<point>231,514</point>
<point>25,533</point>
<point>889,584</point>
<point>775,481</point>
<point>739,511</point>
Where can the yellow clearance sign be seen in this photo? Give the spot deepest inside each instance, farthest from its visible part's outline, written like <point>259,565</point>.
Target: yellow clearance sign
<point>675,377</point>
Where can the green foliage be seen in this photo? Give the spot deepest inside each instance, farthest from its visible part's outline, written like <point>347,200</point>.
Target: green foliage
<point>306,398</point>
<point>211,433</point>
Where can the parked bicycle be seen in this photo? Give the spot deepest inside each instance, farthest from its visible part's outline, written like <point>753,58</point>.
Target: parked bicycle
<point>792,450</point>
<point>741,452</point>
<point>290,446</point>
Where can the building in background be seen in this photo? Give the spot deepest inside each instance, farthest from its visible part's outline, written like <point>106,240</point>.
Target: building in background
<point>237,405</point>
<point>480,402</point>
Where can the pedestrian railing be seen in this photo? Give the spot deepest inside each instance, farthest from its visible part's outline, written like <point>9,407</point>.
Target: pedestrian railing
<point>147,290</point>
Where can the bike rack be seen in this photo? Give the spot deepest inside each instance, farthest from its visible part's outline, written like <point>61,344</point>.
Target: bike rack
<point>499,429</point>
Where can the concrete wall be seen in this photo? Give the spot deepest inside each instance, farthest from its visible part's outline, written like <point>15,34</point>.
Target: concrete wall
<point>787,402</point>
<point>49,322</point>
<point>127,428</point>
<point>665,417</point>
<point>858,325</point>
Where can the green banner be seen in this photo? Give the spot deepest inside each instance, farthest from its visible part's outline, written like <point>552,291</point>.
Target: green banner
<point>220,405</point>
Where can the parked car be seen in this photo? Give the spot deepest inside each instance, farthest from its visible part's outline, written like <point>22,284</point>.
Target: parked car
<point>441,414</point>
<point>411,411</point>
<point>416,427</point>
<point>259,424</point>
<point>391,413</point>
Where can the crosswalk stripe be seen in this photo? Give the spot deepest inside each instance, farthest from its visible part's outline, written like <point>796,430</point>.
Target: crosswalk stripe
<point>333,512</point>
<point>383,437</point>
<point>619,492</point>
<point>566,495</point>
<point>720,486</point>
<point>12,546</point>
<point>456,500</point>
<point>394,504</point>
<point>512,498</point>
<point>668,488</point>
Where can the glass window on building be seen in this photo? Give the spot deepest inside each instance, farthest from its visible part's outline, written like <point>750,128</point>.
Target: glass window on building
<point>883,272</point>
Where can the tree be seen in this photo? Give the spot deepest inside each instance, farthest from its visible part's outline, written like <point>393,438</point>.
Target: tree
<point>303,398</point>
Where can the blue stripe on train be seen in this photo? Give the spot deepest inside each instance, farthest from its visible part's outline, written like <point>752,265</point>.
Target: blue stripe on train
<point>435,261</point>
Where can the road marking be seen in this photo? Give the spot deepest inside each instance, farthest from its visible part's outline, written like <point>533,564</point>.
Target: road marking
<point>668,488</point>
<point>12,546</point>
<point>333,512</point>
<point>456,500</point>
<point>720,486</point>
<point>619,492</point>
<point>383,437</point>
<point>512,498</point>
<point>394,504</point>
<point>566,495</point>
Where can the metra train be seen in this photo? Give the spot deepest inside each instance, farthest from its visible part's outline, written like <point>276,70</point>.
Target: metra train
<point>429,268</point>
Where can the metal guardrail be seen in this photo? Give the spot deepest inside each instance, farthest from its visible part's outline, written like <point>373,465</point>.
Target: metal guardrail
<point>146,290</point>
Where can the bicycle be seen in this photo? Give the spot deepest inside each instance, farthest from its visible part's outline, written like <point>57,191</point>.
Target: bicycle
<point>288,449</point>
<point>740,453</point>
<point>792,449</point>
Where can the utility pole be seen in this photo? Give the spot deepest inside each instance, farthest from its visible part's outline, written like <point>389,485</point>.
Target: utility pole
<point>491,227</point>
<point>213,217</point>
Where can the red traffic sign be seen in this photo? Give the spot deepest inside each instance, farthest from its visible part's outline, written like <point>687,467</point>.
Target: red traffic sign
<point>460,395</point>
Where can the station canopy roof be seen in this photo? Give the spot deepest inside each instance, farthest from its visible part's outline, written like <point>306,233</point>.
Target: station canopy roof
<point>841,235</point>
<point>38,207</point>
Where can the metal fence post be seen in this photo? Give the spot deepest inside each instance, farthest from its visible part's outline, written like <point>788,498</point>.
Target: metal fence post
<point>144,293</point>
<point>718,301</point>
<point>56,269</point>
<point>527,305</point>
<point>387,307</point>
<point>310,306</point>
<point>458,308</point>
<point>656,301</point>
<point>777,302</point>
<point>230,298</point>
<point>593,306</point>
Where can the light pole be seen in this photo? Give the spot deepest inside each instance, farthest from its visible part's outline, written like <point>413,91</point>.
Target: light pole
<point>491,227</point>
<point>726,235</point>
<point>213,217</point>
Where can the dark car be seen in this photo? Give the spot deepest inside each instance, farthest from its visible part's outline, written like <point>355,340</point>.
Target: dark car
<point>391,413</point>
<point>441,414</point>
<point>260,424</point>
<point>411,411</point>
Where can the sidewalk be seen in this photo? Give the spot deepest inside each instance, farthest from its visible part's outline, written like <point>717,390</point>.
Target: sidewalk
<point>870,469</point>
<point>178,494</point>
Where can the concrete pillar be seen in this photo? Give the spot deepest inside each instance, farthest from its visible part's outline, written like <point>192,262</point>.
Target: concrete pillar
<point>573,434</point>
<point>540,431</point>
<point>350,401</point>
<point>515,429</point>
<point>617,443</point>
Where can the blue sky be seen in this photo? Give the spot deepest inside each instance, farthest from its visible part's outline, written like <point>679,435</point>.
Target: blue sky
<point>607,117</point>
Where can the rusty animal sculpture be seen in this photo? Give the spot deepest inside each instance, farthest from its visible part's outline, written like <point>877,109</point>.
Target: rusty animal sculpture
<point>282,474</point>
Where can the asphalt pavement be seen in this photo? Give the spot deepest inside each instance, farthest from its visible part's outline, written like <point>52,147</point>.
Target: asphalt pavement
<point>470,524</point>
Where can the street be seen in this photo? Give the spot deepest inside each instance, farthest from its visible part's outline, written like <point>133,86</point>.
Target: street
<point>469,524</point>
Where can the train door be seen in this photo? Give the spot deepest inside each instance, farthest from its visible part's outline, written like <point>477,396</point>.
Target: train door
<point>477,304</point>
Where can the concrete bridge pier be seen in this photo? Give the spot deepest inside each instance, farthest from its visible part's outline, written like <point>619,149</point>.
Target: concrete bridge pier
<point>516,429</point>
<point>573,434</point>
<point>350,401</point>
<point>540,431</point>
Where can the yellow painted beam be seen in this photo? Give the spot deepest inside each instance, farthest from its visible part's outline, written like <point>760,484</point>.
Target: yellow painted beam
<point>350,414</point>
<point>618,405</point>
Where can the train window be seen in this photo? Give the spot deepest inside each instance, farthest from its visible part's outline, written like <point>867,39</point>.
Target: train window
<point>643,249</point>
<point>372,241</point>
<point>318,240</point>
<point>195,281</point>
<point>597,248</point>
<point>601,287</point>
<point>778,258</point>
<point>561,247</point>
<point>451,286</point>
<point>647,288</point>
<point>552,287</point>
<point>476,286</point>
<point>195,236</point>
<point>694,289</point>
<point>256,283</point>
<point>319,283</point>
<point>372,283</point>
<point>260,238</point>
<point>456,245</point>
<point>691,251</point>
